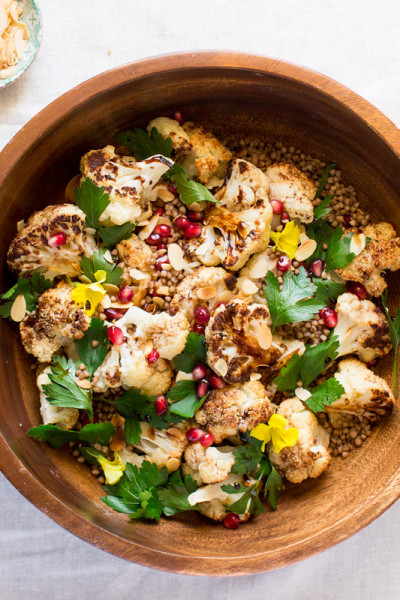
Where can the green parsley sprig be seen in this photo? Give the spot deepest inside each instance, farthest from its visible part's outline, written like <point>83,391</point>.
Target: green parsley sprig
<point>185,401</point>
<point>31,289</point>
<point>93,356</point>
<point>98,262</point>
<point>93,433</point>
<point>324,394</point>
<point>194,353</point>
<point>189,190</point>
<point>394,332</point>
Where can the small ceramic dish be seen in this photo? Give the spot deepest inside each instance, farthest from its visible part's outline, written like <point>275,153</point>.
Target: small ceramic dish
<point>32,17</point>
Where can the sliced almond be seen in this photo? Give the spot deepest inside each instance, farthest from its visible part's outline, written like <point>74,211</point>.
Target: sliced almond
<point>165,195</point>
<point>106,301</point>
<point>18,309</point>
<point>221,367</point>
<point>198,206</point>
<point>176,257</point>
<point>118,440</point>
<point>305,250</point>
<point>138,275</point>
<point>117,304</point>
<point>248,287</point>
<point>159,301</point>
<point>150,308</point>
<point>223,297</point>
<point>163,290</point>
<point>255,376</point>
<point>358,243</point>
<point>111,288</point>
<point>264,336</point>
<point>165,221</point>
<point>302,394</point>
<point>20,225</point>
<point>70,189</point>
<point>83,278</point>
<point>148,229</point>
<point>139,296</point>
<point>173,464</point>
<point>83,383</point>
<point>206,293</point>
<point>108,257</point>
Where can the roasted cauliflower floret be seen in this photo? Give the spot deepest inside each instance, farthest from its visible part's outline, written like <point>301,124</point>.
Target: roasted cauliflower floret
<point>309,457</point>
<point>214,503</point>
<point>362,328</point>
<point>163,447</point>
<point>208,158</point>
<point>292,187</point>
<point>160,380</point>
<point>382,252</point>
<point>167,334</point>
<point>130,184</point>
<point>365,395</point>
<point>214,281</point>
<point>208,465</point>
<point>137,258</point>
<point>54,415</point>
<point>30,249</point>
<point>239,340</point>
<point>234,409</point>
<point>244,185</point>
<point>55,322</point>
<point>169,128</point>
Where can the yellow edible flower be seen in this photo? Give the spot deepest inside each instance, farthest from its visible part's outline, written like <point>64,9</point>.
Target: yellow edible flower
<point>90,294</point>
<point>287,240</point>
<point>275,431</point>
<point>112,469</point>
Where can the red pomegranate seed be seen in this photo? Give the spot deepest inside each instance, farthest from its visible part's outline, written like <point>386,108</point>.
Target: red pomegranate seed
<point>358,289</point>
<point>163,230</point>
<point>285,218</point>
<point>192,230</point>
<point>284,263</point>
<point>232,521</point>
<point>216,382</point>
<point>207,440</point>
<point>199,372</point>
<point>181,222</point>
<point>57,240</point>
<point>202,388</point>
<point>160,262</point>
<point>197,328</point>
<point>178,117</point>
<point>112,314</point>
<point>125,295</point>
<point>159,212</point>
<point>277,207</point>
<point>173,190</point>
<point>329,317</point>
<point>201,315</point>
<point>195,216</point>
<point>160,405</point>
<point>115,335</point>
<point>161,246</point>
<point>194,435</point>
<point>316,267</point>
<point>153,239</point>
<point>372,363</point>
<point>346,221</point>
<point>152,357</point>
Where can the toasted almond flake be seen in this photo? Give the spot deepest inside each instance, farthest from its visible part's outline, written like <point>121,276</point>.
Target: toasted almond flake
<point>358,243</point>
<point>165,195</point>
<point>221,367</point>
<point>159,301</point>
<point>150,308</point>
<point>111,288</point>
<point>108,257</point>
<point>173,464</point>
<point>182,376</point>
<point>248,287</point>
<point>255,376</point>
<point>302,394</point>
<point>165,221</point>
<point>139,296</point>
<point>264,336</point>
<point>20,225</point>
<point>89,230</point>
<point>20,43</point>
<point>223,297</point>
<point>303,235</point>
<point>117,304</point>
<point>70,189</point>
<point>163,290</point>
<point>83,278</point>
<point>206,293</point>
<point>106,301</point>
<point>244,297</point>
<point>148,229</point>
<point>18,309</point>
<point>117,420</point>
<point>83,383</point>
<point>118,440</point>
<point>176,257</point>
<point>197,206</point>
<point>138,275</point>
<point>305,250</point>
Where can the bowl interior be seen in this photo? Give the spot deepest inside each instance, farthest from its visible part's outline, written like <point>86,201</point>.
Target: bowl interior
<point>310,517</point>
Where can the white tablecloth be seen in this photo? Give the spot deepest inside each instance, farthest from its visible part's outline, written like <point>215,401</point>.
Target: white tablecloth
<point>353,41</point>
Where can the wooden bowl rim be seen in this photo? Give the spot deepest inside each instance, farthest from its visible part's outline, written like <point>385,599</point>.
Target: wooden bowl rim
<point>15,471</point>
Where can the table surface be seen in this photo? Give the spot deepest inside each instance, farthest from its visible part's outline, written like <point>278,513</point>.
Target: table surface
<point>353,41</point>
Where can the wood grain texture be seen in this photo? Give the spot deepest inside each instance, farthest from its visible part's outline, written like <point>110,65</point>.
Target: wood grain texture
<point>227,92</point>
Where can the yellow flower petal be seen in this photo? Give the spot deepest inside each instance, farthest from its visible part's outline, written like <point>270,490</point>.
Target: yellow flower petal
<point>276,433</point>
<point>282,438</point>
<point>100,276</point>
<point>113,470</point>
<point>277,420</point>
<point>287,240</point>
<point>88,295</point>
<point>263,433</point>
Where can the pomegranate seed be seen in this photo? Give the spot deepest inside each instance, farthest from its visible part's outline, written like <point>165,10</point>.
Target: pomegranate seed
<point>285,218</point>
<point>329,317</point>
<point>216,382</point>
<point>125,295</point>
<point>153,239</point>
<point>57,240</point>
<point>284,263</point>
<point>277,207</point>
<point>163,230</point>
<point>202,388</point>
<point>197,328</point>
<point>316,267</point>
<point>159,212</point>
<point>160,405</point>
<point>115,335</point>
<point>372,363</point>
<point>194,435</point>
<point>160,262</point>
<point>178,117</point>
<point>346,221</point>
<point>181,222</point>
<point>207,440</point>
<point>232,521</point>
<point>357,288</point>
<point>199,372</point>
<point>192,230</point>
<point>173,190</point>
<point>195,216</point>
<point>112,314</point>
<point>152,357</point>
<point>201,315</point>
<point>161,246</point>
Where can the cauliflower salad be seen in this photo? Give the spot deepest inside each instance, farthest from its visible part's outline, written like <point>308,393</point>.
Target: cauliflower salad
<point>205,319</point>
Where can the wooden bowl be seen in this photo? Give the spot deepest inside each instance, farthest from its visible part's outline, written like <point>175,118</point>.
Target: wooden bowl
<point>227,92</point>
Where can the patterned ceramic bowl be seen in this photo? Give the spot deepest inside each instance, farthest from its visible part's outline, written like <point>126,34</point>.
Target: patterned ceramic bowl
<point>32,18</point>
